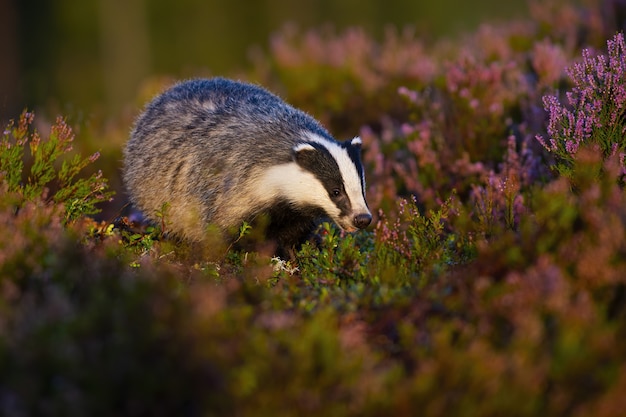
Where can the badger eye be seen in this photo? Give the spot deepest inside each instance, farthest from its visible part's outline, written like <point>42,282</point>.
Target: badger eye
<point>336,192</point>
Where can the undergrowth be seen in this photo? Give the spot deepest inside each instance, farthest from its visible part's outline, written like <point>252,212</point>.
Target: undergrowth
<point>492,282</point>
<point>33,167</point>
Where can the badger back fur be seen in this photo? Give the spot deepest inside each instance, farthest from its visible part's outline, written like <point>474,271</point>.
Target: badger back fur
<point>222,152</point>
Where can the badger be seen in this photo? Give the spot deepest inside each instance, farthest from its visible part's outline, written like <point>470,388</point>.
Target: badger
<point>220,152</point>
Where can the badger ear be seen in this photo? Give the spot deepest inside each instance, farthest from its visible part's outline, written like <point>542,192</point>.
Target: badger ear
<point>303,147</point>
<point>304,153</point>
<point>356,142</point>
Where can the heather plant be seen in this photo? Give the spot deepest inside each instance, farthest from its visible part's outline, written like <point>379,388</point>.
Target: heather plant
<point>596,111</point>
<point>32,167</point>
<point>481,96</point>
<point>498,198</point>
<point>418,247</point>
<point>346,79</point>
<point>457,128</point>
<point>531,319</point>
<point>548,63</point>
<point>486,286</point>
<point>338,258</point>
<point>79,311</point>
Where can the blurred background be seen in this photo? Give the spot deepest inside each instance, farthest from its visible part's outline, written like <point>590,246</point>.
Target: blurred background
<point>79,57</point>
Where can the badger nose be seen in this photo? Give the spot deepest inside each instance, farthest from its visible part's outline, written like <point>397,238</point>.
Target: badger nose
<point>362,220</point>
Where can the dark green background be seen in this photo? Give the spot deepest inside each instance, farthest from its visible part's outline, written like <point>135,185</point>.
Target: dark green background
<point>82,55</point>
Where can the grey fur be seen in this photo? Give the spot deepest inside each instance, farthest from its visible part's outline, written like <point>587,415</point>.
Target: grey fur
<point>202,146</point>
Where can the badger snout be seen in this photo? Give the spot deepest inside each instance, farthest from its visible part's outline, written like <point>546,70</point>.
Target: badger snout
<point>362,220</point>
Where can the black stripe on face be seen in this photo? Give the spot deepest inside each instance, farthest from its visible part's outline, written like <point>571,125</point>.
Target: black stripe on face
<point>324,167</point>
<point>354,152</point>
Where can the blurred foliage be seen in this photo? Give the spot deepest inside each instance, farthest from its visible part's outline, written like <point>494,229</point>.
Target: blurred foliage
<point>490,285</point>
<point>48,168</point>
<point>92,56</point>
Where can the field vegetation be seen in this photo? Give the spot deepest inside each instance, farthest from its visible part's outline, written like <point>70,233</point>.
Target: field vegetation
<point>492,282</point>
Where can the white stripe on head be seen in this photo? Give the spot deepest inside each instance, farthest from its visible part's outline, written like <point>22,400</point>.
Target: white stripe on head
<point>352,179</point>
<point>356,141</point>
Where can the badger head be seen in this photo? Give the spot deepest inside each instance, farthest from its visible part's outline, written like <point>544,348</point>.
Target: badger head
<point>330,177</point>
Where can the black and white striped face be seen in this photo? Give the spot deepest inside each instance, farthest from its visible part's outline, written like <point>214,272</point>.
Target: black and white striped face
<point>331,178</point>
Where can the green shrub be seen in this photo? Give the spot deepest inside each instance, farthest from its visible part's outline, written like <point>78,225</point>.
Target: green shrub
<point>44,172</point>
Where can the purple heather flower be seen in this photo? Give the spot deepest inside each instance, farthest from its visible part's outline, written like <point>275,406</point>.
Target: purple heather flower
<point>597,104</point>
<point>410,94</point>
<point>94,157</point>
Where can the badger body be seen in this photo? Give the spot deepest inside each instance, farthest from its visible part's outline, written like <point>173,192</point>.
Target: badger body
<point>221,152</point>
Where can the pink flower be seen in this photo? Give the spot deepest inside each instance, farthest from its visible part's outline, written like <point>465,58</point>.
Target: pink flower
<point>548,61</point>
<point>597,104</point>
